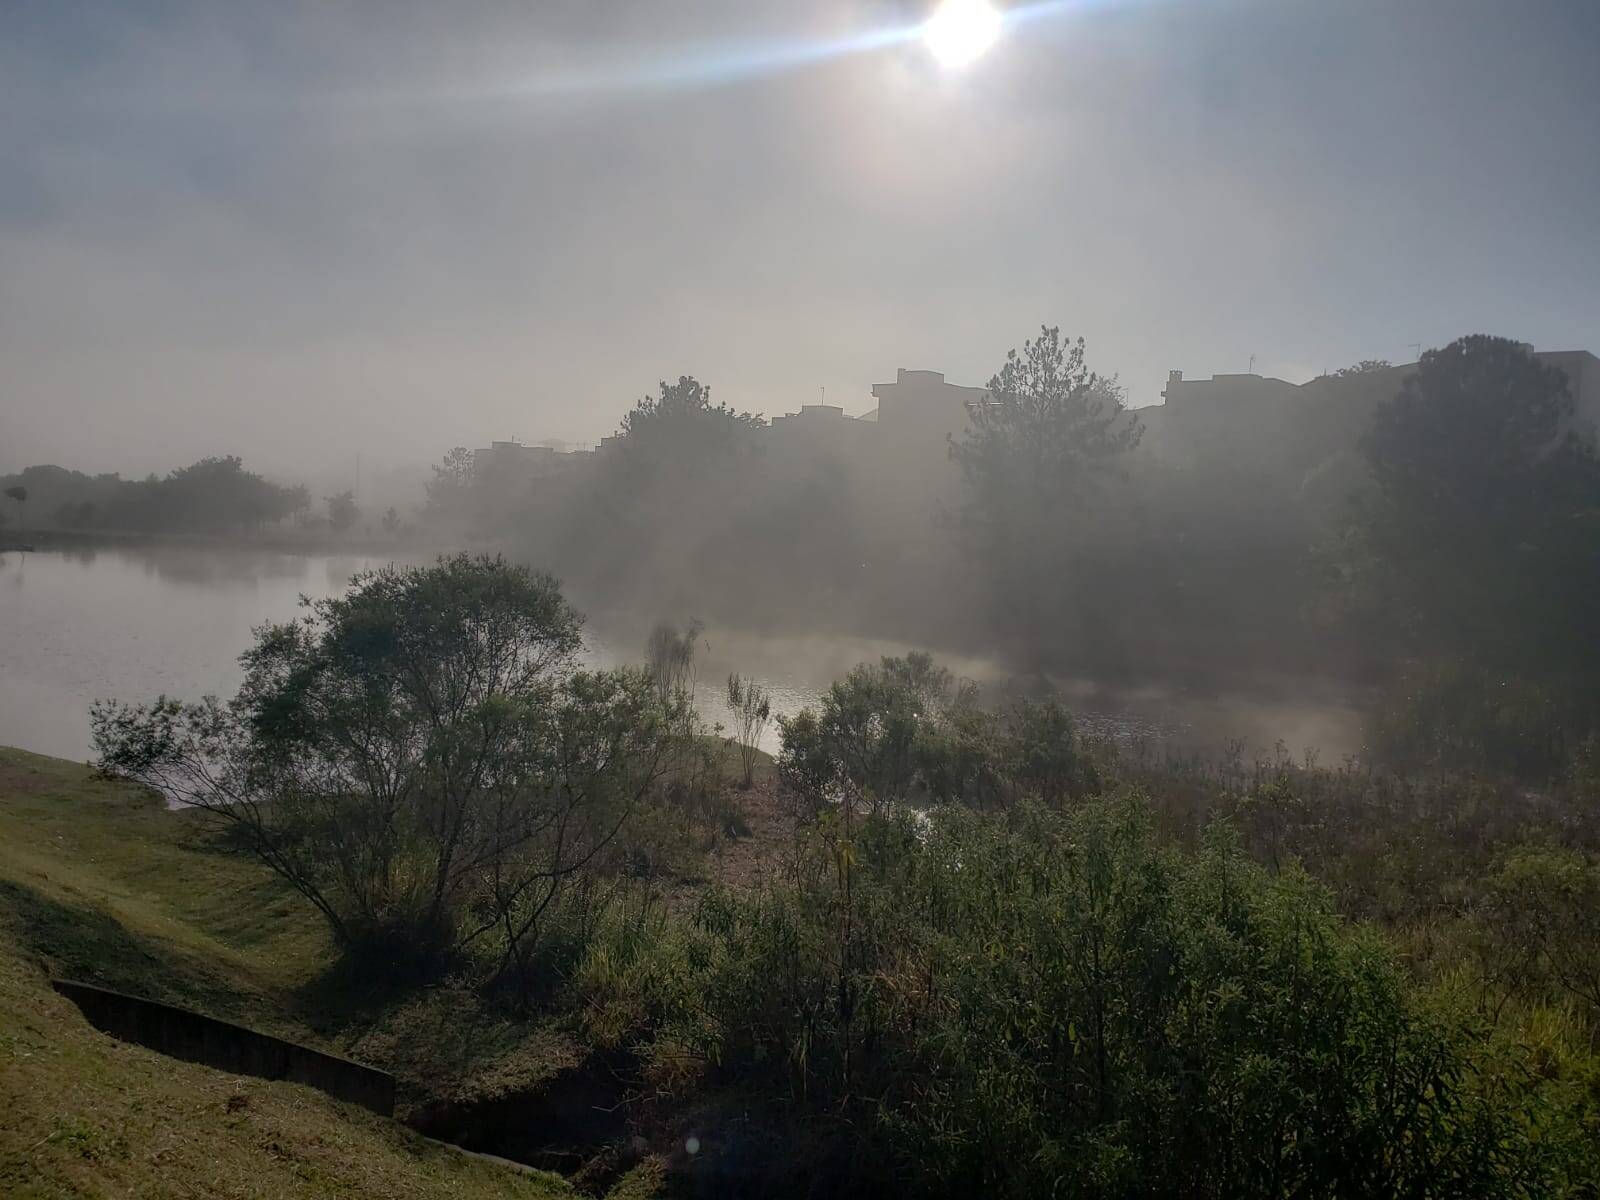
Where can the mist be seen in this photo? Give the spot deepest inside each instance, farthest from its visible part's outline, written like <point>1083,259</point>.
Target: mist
<point>861,598</point>
<point>315,234</point>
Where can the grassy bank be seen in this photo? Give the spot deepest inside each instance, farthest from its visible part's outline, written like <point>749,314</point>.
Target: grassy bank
<point>1284,940</point>
<point>98,881</point>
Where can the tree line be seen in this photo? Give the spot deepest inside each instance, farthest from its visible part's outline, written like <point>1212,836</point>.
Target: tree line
<point>211,495</point>
<point>1443,545</point>
<point>215,495</point>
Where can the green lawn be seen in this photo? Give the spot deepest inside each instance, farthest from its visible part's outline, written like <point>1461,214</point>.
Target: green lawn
<point>99,882</point>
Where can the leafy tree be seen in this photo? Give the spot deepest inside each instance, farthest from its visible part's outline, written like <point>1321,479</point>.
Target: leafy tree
<point>1485,526</point>
<point>677,430</point>
<point>419,758</point>
<point>342,511</point>
<point>751,707</point>
<point>19,494</point>
<point>77,516</point>
<point>1367,366</point>
<point>213,495</point>
<point>669,659</point>
<point>1037,457</point>
<point>1045,439</point>
<point>1542,912</point>
<point>297,501</point>
<point>218,493</point>
<point>859,747</point>
<point>452,481</point>
<point>906,730</point>
<point>677,465</point>
<point>1044,756</point>
<point>658,500</point>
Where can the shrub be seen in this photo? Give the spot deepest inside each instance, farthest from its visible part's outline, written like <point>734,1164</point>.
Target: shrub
<point>1028,1004</point>
<point>1447,715</point>
<point>860,744</point>
<point>751,707</point>
<point>905,731</point>
<point>1541,912</point>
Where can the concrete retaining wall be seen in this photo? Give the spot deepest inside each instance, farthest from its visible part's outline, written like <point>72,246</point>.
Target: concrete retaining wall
<point>201,1039</point>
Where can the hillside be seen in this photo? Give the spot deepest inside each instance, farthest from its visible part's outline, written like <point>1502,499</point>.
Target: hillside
<point>98,882</point>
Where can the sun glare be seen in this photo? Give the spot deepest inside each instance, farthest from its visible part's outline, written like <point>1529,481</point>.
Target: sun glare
<point>961,30</point>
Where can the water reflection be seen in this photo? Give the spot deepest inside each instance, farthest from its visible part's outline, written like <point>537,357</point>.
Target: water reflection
<point>133,622</point>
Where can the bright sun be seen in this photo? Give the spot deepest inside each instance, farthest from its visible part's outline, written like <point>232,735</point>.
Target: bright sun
<point>961,30</point>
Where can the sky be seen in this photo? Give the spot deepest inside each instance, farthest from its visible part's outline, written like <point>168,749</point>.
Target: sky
<point>308,232</point>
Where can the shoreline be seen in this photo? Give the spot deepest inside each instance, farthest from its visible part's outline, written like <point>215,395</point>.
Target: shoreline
<point>38,541</point>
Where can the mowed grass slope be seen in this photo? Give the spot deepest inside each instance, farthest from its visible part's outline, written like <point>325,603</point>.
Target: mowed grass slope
<point>103,883</point>
<point>99,882</point>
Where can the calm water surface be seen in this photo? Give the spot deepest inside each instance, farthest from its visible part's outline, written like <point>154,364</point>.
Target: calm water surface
<point>132,622</point>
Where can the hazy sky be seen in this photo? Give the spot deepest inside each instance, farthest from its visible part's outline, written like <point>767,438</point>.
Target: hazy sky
<point>299,231</point>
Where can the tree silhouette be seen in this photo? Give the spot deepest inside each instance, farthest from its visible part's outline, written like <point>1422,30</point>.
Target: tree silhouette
<point>20,494</point>
<point>1486,523</point>
<point>342,511</point>
<point>1037,455</point>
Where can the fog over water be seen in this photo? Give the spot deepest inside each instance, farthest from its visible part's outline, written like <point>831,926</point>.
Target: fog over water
<point>133,622</point>
<point>306,232</point>
<point>841,597</point>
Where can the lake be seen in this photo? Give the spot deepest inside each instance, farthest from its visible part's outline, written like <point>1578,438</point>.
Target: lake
<point>132,621</point>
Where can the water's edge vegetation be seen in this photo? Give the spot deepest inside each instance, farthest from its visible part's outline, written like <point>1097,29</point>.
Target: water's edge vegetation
<point>942,943</point>
<point>946,942</point>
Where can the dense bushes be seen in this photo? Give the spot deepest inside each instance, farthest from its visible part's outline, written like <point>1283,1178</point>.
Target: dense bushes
<point>970,990</point>
<point>1451,715</point>
<point>1541,916</point>
<point>906,730</point>
<point>993,960</point>
<point>1028,1004</point>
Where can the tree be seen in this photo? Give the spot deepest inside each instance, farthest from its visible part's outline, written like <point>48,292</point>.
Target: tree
<point>859,748</point>
<point>1037,456</point>
<point>419,758</point>
<point>905,729</point>
<point>1367,366</point>
<point>1044,756</point>
<point>1046,436</point>
<point>213,494</point>
<point>297,502</point>
<point>20,494</point>
<point>669,659</point>
<point>452,482</point>
<point>679,429</point>
<point>342,511</point>
<point>1485,525</point>
<point>751,707</point>
<point>1542,914</point>
<point>658,499</point>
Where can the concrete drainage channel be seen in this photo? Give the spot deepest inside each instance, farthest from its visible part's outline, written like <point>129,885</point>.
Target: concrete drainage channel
<point>196,1038</point>
<point>579,1114</point>
<point>191,1036</point>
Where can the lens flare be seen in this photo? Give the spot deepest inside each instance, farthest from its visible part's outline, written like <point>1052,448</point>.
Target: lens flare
<point>961,30</point>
